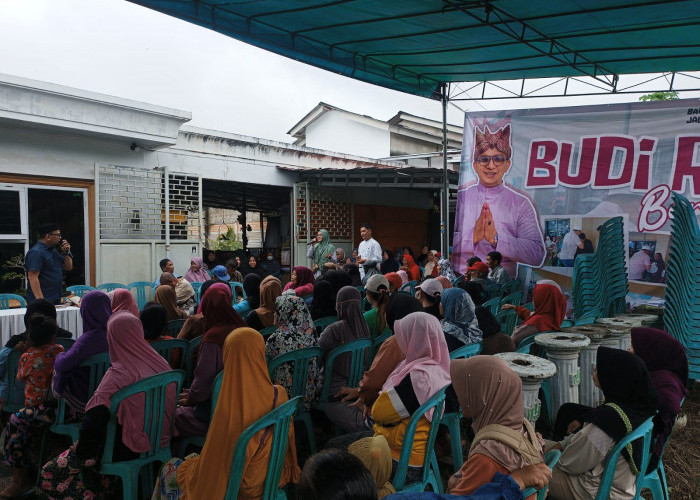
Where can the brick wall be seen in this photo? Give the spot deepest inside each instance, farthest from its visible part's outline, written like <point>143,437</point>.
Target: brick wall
<point>330,209</point>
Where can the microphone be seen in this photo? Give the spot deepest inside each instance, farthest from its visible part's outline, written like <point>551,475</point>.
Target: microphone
<point>311,242</point>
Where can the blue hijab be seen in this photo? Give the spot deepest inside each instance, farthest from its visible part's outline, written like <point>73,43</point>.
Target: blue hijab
<point>460,317</point>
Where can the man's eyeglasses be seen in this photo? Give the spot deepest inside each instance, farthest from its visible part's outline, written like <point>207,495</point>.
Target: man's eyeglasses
<point>55,234</point>
<point>497,160</point>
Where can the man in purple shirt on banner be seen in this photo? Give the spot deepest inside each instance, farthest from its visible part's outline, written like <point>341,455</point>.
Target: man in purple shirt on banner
<point>492,215</point>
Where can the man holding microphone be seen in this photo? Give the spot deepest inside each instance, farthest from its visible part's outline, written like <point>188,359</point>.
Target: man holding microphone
<point>45,263</point>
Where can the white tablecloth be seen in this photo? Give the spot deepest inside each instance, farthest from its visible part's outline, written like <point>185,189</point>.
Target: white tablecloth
<point>12,321</point>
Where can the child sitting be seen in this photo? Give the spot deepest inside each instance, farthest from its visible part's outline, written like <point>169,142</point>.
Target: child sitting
<point>36,371</point>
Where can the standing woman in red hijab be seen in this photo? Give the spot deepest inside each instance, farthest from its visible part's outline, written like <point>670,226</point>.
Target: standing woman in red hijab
<point>550,308</point>
<point>410,266</point>
<point>192,416</point>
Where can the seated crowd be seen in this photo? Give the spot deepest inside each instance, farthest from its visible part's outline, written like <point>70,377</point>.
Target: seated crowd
<point>341,298</point>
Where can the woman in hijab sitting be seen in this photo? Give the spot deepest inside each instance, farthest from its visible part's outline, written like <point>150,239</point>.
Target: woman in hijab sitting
<point>424,371</point>
<point>196,272</point>
<point>74,473</point>
<point>251,285</point>
<point>629,401</point>
<point>295,330</point>
<point>389,264</point>
<point>550,308</point>
<point>247,394</point>
<point>194,410</point>
<point>302,281</point>
<point>323,303</point>
<point>490,394</point>
<point>166,297</point>
<point>354,273</point>
<point>350,326</point>
<point>254,267</point>
<point>264,316</point>
<point>430,266</point>
<point>122,300</point>
<point>667,363</point>
<point>459,324</point>
<point>492,341</point>
<point>375,454</point>
<point>411,268</point>
<point>70,381</point>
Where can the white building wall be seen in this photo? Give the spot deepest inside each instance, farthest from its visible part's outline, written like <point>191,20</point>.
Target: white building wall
<point>336,131</point>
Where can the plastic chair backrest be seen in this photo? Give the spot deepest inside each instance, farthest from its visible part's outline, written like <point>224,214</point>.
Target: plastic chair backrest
<point>13,404</point>
<point>6,297</point>
<point>166,348</point>
<point>641,432</point>
<point>493,305</point>
<point>437,403</point>
<point>268,330</point>
<point>190,357</point>
<point>529,306</point>
<point>216,389</point>
<point>65,342</point>
<point>456,281</point>
<point>197,287</point>
<point>322,323</point>
<point>361,289</point>
<point>141,287</point>
<point>507,320</point>
<point>110,287</point>
<point>466,351</point>
<point>551,459</point>
<point>281,419</point>
<point>494,291</point>
<point>359,351</point>
<point>79,290</point>
<point>513,298</point>
<point>175,325</point>
<point>410,287</point>
<point>235,285</point>
<point>154,390</point>
<point>511,287</point>
<point>299,359</point>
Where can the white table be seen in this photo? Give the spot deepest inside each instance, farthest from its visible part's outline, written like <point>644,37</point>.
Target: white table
<point>12,321</point>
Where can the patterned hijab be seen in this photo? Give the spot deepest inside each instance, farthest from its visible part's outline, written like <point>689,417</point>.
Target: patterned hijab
<point>460,317</point>
<point>446,269</point>
<point>293,317</point>
<point>270,289</point>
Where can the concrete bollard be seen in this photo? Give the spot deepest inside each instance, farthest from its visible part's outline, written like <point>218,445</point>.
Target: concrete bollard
<point>563,350</point>
<point>532,370</point>
<point>620,328</point>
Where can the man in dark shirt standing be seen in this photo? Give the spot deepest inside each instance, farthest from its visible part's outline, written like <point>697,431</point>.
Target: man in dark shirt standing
<point>45,263</point>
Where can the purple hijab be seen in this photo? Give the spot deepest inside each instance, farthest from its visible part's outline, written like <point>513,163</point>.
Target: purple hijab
<point>667,363</point>
<point>69,381</point>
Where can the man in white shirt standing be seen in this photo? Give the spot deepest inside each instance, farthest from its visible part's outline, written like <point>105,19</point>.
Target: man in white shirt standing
<point>639,263</point>
<point>569,246</point>
<point>369,250</point>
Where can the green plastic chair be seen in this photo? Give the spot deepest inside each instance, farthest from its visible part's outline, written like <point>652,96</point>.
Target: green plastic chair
<point>451,420</point>
<point>359,351</point>
<point>168,347</point>
<point>13,403</point>
<point>199,441</point>
<point>494,291</point>
<point>79,290</point>
<point>507,320</point>
<point>190,358</point>
<point>267,331</point>
<point>235,285</point>
<point>174,326</point>
<point>409,287</point>
<point>141,287</point>
<point>322,323</point>
<point>300,360</point>
<point>431,473</point>
<point>97,366</point>
<point>280,419</point>
<point>110,287</point>
<point>551,459</point>
<point>513,298</point>
<point>154,390</point>
<point>493,305</point>
<point>641,432</point>
<point>6,297</point>
<point>65,343</point>
<point>197,287</point>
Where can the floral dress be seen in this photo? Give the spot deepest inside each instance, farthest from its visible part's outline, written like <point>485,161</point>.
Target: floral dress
<point>295,331</point>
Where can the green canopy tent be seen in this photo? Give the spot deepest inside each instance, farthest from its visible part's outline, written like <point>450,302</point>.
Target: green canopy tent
<point>420,46</point>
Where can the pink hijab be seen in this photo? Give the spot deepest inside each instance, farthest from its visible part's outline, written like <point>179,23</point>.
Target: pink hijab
<point>404,276</point>
<point>122,300</point>
<point>419,336</point>
<point>132,360</point>
<point>200,275</point>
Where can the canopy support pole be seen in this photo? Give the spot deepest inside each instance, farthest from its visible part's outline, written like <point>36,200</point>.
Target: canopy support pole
<point>445,216</point>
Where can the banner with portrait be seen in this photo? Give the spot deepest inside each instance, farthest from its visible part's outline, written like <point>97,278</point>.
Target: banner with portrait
<point>529,178</point>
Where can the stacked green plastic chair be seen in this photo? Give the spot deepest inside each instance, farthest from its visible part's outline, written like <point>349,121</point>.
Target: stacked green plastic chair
<point>682,309</point>
<point>600,279</point>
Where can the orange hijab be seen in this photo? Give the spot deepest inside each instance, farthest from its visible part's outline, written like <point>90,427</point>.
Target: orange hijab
<point>247,394</point>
